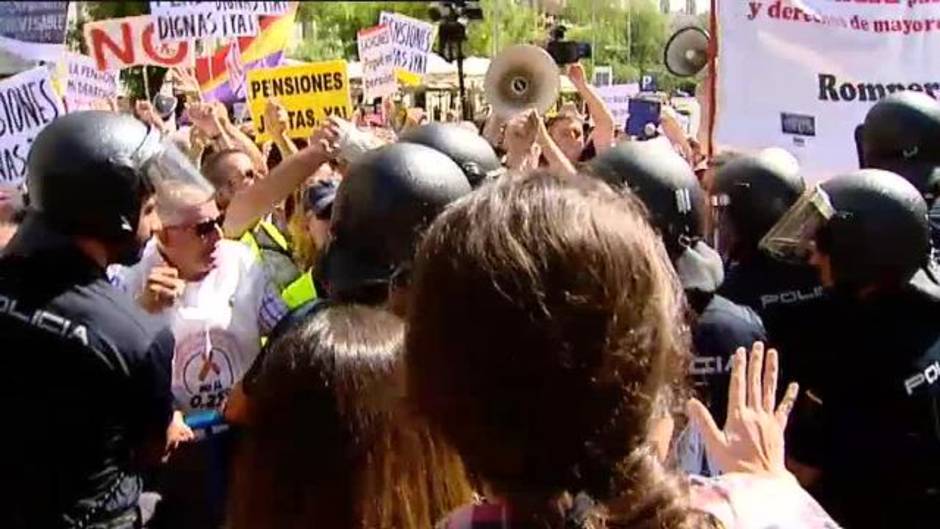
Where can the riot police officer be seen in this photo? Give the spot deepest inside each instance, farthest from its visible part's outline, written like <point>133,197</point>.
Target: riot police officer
<point>749,194</point>
<point>469,150</point>
<point>666,185</point>
<point>87,397</point>
<point>901,134</point>
<point>876,448</point>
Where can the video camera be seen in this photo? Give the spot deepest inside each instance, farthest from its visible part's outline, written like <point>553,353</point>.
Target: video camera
<point>566,51</point>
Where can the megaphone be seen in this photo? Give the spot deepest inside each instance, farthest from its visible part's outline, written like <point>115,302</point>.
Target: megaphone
<point>521,77</point>
<point>687,51</point>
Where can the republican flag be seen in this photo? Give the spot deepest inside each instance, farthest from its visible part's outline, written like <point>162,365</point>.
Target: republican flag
<point>220,82</point>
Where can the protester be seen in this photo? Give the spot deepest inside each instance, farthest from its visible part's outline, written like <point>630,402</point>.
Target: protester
<point>310,230</point>
<point>874,416</point>
<point>219,303</point>
<point>98,412</point>
<point>545,374</point>
<point>664,182</point>
<point>567,129</point>
<point>328,440</point>
<point>12,212</point>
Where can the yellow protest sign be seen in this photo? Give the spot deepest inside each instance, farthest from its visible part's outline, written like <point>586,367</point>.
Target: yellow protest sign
<point>309,92</point>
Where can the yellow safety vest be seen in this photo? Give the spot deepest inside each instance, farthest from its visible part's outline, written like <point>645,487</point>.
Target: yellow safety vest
<point>268,245</point>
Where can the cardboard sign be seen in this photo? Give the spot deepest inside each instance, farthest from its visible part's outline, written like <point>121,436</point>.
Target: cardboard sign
<point>309,92</point>
<point>186,21</point>
<point>85,84</point>
<point>412,39</point>
<point>377,55</point>
<point>617,98</point>
<point>29,104</point>
<point>33,30</point>
<point>802,75</point>
<point>121,42</point>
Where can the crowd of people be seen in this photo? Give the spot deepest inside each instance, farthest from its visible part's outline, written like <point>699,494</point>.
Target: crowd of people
<point>524,322</point>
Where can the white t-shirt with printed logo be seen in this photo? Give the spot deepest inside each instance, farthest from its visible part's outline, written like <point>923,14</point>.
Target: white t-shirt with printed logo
<point>218,322</point>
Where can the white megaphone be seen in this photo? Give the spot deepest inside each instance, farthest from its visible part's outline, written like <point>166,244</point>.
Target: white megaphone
<point>687,51</point>
<point>521,77</point>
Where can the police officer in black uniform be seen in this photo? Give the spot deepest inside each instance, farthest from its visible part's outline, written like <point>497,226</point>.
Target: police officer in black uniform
<point>749,194</point>
<point>666,185</point>
<point>901,134</point>
<point>87,392</point>
<point>876,447</point>
<point>467,149</point>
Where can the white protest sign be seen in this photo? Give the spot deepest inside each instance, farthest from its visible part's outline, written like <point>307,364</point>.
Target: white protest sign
<point>186,21</point>
<point>86,85</point>
<point>257,8</point>
<point>802,74</point>
<point>377,55</point>
<point>121,42</point>
<point>617,98</point>
<point>413,39</point>
<point>29,104</point>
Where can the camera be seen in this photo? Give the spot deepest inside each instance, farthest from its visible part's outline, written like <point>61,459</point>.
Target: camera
<point>566,51</point>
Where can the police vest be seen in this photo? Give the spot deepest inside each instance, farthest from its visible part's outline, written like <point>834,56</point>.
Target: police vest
<point>273,250</point>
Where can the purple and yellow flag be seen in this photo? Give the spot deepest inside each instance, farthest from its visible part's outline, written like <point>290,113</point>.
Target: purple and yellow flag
<point>265,50</point>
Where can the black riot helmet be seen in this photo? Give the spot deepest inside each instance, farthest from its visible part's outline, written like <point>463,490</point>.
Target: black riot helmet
<point>749,195</point>
<point>468,149</point>
<point>89,173</point>
<point>872,224</point>
<point>666,185</point>
<point>387,198</point>
<point>901,134</point>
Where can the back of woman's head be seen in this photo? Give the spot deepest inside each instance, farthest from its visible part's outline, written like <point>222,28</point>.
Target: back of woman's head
<point>329,444</point>
<point>545,323</point>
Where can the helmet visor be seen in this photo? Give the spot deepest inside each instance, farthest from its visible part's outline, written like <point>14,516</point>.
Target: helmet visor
<point>176,181</point>
<point>792,238</point>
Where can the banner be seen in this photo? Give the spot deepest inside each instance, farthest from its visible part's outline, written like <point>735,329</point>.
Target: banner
<point>121,42</point>
<point>377,55</point>
<point>802,74</point>
<point>262,51</point>
<point>29,104</point>
<point>412,39</point>
<point>86,86</point>
<point>33,30</point>
<point>309,92</point>
<point>186,21</point>
<point>617,98</point>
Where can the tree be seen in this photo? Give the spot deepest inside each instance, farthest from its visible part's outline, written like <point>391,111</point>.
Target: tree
<point>332,26</point>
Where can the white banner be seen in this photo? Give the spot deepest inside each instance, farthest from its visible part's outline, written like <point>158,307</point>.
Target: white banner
<point>413,39</point>
<point>186,21</point>
<point>30,104</point>
<point>802,74</point>
<point>617,98</point>
<point>86,86</point>
<point>377,56</point>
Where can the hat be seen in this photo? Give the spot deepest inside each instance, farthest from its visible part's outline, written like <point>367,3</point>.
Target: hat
<point>319,198</point>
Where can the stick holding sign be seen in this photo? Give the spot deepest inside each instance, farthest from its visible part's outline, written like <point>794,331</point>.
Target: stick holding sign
<point>309,92</point>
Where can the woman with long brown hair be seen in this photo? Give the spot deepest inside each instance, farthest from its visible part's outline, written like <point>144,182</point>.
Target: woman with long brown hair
<point>328,442</point>
<point>546,331</point>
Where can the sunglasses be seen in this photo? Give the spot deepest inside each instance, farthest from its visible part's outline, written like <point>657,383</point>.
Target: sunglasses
<point>205,228</point>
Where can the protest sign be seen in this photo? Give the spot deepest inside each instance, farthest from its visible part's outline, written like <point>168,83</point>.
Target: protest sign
<point>86,86</point>
<point>29,104</point>
<point>617,98</point>
<point>256,8</point>
<point>33,30</point>
<point>186,21</point>
<point>377,55</point>
<point>309,92</point>
<point>121,42</point>
<point>412,39</point>
<point>802,74</point>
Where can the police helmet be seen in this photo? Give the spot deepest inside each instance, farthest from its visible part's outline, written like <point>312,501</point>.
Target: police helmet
<point>901,134</point>
<point>89,173</point>
<point>388,196</point>
<point>872,224</point>
<point>663,181</point>
<point>468,149</point>
<point>749,195</point>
